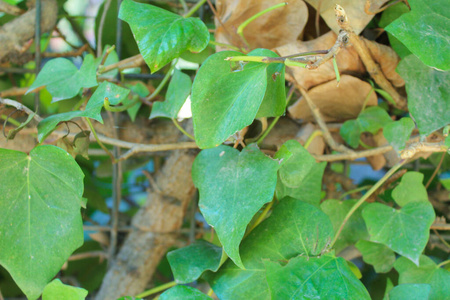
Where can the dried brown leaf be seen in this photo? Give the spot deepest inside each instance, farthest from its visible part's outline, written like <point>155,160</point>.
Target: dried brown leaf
<point>336,103</point>
<point>275,28</point>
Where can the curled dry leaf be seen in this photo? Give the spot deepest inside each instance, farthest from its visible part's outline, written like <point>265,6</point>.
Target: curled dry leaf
<point>275,28</point>
<point>354,9</point>
<point>336,103</point>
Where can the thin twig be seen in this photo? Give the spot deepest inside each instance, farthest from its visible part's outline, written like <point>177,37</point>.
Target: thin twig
<point>100,28</point>
<point>435,170</point>
<point>130,62</point>
<point>74,53</point>
<point>15,91</point>
<point>85,255</point>
<point>412,149</point>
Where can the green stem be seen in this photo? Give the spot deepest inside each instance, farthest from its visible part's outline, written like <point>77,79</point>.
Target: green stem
<point>157,289</point>
<point>261,218</point>
<point>312,137</point>
<point>12,121</point>
<point>364,145</point>
<point>336,70</point>
<point>362,188</point>
<point>364,198</point>
<point>263,136</point>
<point>261,59</point>
<point>366,100</point>
<point>241,27</point>
<point>224,45</point>
<point>121,108</point>
<point>183,3</point>
<point>162,84</point>
<point>291,63</point>
<point>182,130</point>
<point>443,263</point>
<point>194,8</point>
<point>113,159</point>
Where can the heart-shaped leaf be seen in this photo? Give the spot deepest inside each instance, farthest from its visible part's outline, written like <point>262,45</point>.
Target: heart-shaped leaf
<point>233,186</point>
<point>41,222</point>
<point>410,189</point>
<point>161,35</point>
<point>182,292</point>
<point>381,257</point>
<point>63,80</point>
<point>56,290</point>
<point>351,133</point>
<point>177,93</point>
<point>293,228</point>
<point>427,272</point>
<point>429,21</point>
<point>406,231</point>
<point>325,277</point>
<point>115,94</point>
<point>373,119</point>
<point>397,133</point>
<point>410,291</point>
<point>428,92</point>
<point>190,262</point>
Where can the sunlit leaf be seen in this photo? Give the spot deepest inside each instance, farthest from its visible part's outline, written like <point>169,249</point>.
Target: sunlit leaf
<point>57,290</point>
<point>182,292</point>
<point>410,291</point>
<point>397,133</point>
<point>380,256</point>
<point>410,189</point>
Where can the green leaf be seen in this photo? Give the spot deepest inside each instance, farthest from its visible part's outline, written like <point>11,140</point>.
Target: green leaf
<point>190,262</point>
<point>351,132</point>
<point>381,257</point>
<point>182,292</point>
<point>141,90</point>
<point>387,17</point>
<point>427,272</point>
<point>274,102</point>
<point>41,222</point>
<point>161,35</point>
<point>177,93</point>
<point>114,93</point>
<point>373,119</point>
<point>63,80</point>
<point>233,186</point>
<point>389,287</point>
<point>428,92</point>
<point>397,133</point>
<point>410,189</point>
<point>225,101</point>
<point>326,277</point>
<point>293,228</point>
<point>12,133</point>
<point>406,231</point>
<point>56,290</point>
<point>410,292</point>
<point>355,228</point>
<point>424,31</point>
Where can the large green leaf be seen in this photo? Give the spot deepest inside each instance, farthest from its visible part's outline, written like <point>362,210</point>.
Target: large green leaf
<point>41,222</point>
<point>63,80</point>
<point>410,292</point>
<point>387,17</point>
<point>294,228</point>
<point>397,133</point>
<point>114,93</point>
<point>161,35</point>
<point>426,272</point>
<point>57,290</point>
<point>355,228</point>
<point>410,189</point>
<point>224,100</point>
<point>425,31</point>
<point>325,277</point>
<point>405,231</point>
<point>428,92</point>
<point>190,262</point>
<point>380,256</point>
<point>177,93</point>
<point>233,186</point>
<point>182,292</point>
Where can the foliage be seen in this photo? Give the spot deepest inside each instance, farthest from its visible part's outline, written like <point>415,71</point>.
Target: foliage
<point>277,235</point>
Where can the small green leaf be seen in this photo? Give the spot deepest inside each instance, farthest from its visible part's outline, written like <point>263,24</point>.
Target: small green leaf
<point>57,290</point>
<point>387,17</point>
<point>428,92</point>
<point>410,189</point>
<point>381,257</point>
<point>397,133</point>
<point>406,231</point>
<point>351,132</point>
<point>233,186</point>
<point>427,272</point>
<point>410,292</point>
<point>182,292</point>
<point>224,100</point>
<point>177,93</point>
<point>114,93</point>
<point>293,228</point>
<point>41,193</point>
<point>424,30</point>
<point>355,228</point>
<point>63,80</point>
<point>190,262</point>
<point>326,277</point>
<point>373,119</point>
<point>161,35</point>
<point>141,90</point>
